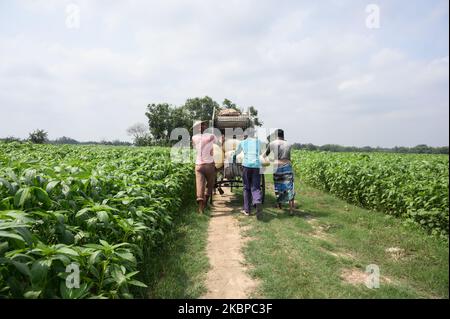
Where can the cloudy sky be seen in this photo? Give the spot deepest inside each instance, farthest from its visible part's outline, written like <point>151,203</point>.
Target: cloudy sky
<point>318,69</point>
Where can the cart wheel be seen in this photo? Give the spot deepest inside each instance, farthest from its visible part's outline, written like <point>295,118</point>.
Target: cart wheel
<point>263,188</point>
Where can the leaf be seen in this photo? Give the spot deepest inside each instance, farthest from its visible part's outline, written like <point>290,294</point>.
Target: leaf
<point>103,216</point>
<point>42,195</point>
<point>30,175</point>
<point>137,283</point>
<point>117,274</point>
<point>51,186</point>
<point>5,183</point>
<point>22,196</point>
<point>73,293</point>
<point>15,254</point>
<point>101,296</point>
<point>94,271</point>
<point>120,245</point>
<point>6,202</point>
<point>39,271</point>
<point>26,235</point>
<point>3,247</point>
<point>67,251</point>
<point>67,237</point>
<point>104,243</point>
<point>94,256</point>
<point>65,189</point>
<point>127,256</point>
<point>94,246</point>
<point>82,212</point>
<point>13,176</point>
<point>131,274</point>
<point>21,267</point>
<point>8,234</point>
<point>32,294</point>
<point>62,258</point>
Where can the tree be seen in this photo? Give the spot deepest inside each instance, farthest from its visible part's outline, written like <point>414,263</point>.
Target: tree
<point>140,134</point>
<point>65,140</point>
<point>159,120</point>
<point>200,108</point>
<point>163,117</point>
<point>180,118</point>
<point>137,130</point>
<point>422,149</point>
<point>38,137</point>
<point>254,114</point>
<point>230,105</point>
<point>10,139</point>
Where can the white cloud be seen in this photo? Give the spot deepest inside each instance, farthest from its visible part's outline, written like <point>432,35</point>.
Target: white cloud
<point>356,84</point>
<point>386,57</point>
<point>310,70</point>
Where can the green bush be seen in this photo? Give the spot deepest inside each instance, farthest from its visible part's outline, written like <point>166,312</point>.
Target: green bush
<point>98,207</point>
<point>411,186</point>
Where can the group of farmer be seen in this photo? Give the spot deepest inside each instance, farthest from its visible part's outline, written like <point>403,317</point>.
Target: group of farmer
<point>255,155</point>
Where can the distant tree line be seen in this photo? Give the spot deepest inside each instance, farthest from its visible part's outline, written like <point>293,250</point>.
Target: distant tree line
<point>68,140</point>
<point>41,137</point>
<point>162,118</point>
<point>36,137</point>
<point>419,149</point>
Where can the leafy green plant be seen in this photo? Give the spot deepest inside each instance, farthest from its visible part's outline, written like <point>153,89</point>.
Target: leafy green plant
<point>97,207</point>
<point>414,187</point>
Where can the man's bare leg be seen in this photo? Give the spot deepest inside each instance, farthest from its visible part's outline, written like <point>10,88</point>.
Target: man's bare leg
<point>201,206</point>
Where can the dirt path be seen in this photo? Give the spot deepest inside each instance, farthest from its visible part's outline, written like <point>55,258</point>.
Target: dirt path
<point>227,277</point>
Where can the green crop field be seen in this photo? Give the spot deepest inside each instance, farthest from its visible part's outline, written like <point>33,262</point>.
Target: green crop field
<point>98,207</point>
<point>414,187</point>
<point>114,213</point>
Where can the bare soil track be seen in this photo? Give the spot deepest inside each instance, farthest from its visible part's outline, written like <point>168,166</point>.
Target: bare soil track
<point>227,277</point>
